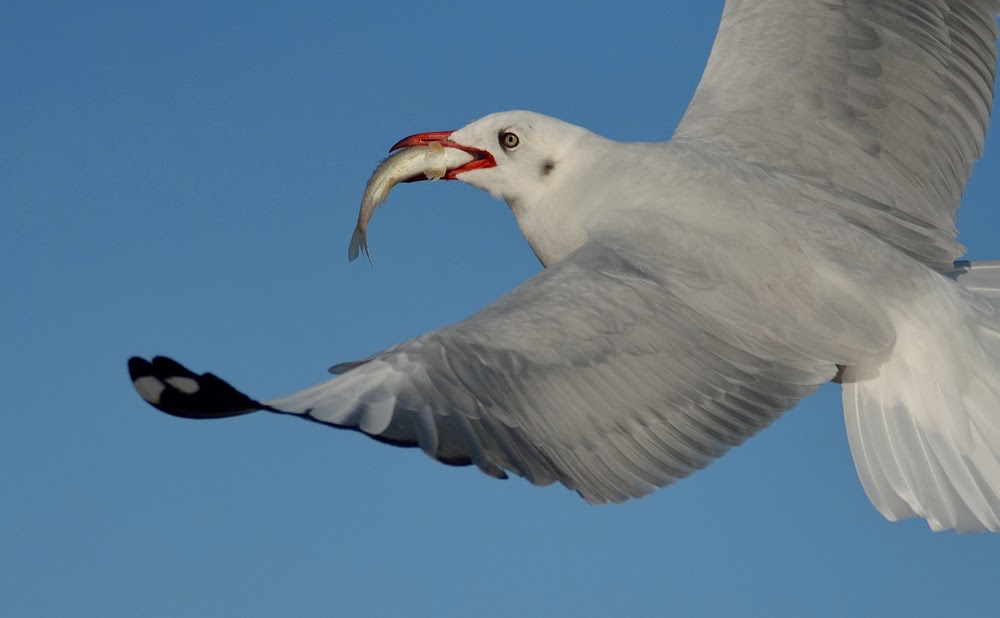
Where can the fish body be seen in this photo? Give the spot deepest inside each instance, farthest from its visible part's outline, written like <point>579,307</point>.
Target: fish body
<point>416,162</point>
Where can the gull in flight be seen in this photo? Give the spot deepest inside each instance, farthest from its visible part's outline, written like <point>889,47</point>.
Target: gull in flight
<point>798,228</point>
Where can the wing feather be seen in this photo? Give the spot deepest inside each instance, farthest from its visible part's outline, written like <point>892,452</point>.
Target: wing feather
<point>592,373</point>
<point>880,106</point>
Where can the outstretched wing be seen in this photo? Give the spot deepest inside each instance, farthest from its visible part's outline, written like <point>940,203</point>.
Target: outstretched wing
<point>879,106</point>
<point>593,373</point>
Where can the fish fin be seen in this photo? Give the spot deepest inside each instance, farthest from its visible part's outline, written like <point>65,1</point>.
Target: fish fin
<point>436,174</point>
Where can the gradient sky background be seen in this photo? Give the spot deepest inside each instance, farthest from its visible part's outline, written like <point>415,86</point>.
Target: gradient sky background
<point>184,181</point>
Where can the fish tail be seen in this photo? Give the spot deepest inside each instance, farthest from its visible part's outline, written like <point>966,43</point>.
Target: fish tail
<point>359,242</point>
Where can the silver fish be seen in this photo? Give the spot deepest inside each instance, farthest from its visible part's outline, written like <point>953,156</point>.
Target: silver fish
<point>432,162</point>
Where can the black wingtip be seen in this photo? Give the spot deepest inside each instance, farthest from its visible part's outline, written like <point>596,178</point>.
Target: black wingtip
<point>172,388</point>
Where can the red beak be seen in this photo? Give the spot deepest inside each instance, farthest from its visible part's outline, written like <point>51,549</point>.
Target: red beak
<point>481,158</point>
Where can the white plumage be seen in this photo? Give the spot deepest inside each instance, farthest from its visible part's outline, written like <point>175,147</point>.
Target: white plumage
<point>802,220</point>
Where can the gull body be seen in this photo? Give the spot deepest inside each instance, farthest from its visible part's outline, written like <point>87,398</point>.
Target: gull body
<point>798,228</point>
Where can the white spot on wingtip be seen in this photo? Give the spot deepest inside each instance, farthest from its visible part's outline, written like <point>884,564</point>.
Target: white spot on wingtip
<point>184,385</point>
<point>150,388</point>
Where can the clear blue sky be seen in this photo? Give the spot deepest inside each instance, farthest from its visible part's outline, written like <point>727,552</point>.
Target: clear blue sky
<point>184,181</point>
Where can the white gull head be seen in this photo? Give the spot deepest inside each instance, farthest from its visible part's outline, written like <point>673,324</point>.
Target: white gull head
<point>536,159</point>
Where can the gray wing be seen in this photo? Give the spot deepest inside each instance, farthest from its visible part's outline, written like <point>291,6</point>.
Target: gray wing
<point>593,373</point>
<point>879,106</point>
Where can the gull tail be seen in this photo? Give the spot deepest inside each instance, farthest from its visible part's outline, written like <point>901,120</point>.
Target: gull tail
<point>172,388</point>
<point>924,425</point>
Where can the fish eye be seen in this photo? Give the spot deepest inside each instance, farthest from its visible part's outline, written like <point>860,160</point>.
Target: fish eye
<point>508,140</point>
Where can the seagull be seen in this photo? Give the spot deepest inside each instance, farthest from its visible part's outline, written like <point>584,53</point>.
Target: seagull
<point>799,227</point>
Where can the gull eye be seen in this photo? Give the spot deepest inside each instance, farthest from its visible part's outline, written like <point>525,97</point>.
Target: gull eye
<point>508,140</point>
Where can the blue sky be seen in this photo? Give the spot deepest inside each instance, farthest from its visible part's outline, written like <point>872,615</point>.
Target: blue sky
<point>184,181</point>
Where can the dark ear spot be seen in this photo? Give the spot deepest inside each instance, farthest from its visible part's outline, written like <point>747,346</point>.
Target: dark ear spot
<point>547,167</point>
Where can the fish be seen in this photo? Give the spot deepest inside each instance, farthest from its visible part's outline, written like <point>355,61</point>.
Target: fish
<point>432,162</point>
